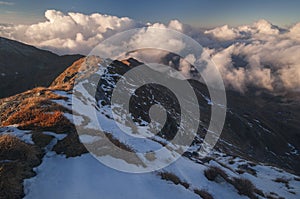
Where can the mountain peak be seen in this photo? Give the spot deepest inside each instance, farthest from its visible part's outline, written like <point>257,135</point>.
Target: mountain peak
<point>131,62</point>
<point>266,27</point>
<point>66,80</point>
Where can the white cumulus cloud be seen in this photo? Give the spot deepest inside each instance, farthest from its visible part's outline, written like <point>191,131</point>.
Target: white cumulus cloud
<point>257,55</point>
<point>68,33</point>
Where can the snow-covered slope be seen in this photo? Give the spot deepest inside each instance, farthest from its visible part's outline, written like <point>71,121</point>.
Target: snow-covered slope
<point>43,118</point>
<point>85,177</point>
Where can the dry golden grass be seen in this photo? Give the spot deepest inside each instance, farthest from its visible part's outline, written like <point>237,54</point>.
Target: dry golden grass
<point>126,62</point>
<point>173,178</point>
<point>118,143</point>
<point>213,172</point>
<point>70,146</point>
<point>38,99</point>
<point>244,187</point>
<point>35,110</point>
<point>18,158</point>
<point>204,194</point>
<point>40,139</point>
<point>66,80</point>
<point>38,119</point>
<point>47,119</point>
<point>11,148</point>
<point>84,66</point>
<point>284,181</point>
<point>11,176</point>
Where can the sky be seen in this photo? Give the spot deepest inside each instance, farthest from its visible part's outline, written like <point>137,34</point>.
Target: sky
<point>200,13</point>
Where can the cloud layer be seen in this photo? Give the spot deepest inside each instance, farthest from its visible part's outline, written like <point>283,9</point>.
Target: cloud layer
<point>6,3</point>
<point>68,33</point>
<point>260,55</point>
<point>257,55</point>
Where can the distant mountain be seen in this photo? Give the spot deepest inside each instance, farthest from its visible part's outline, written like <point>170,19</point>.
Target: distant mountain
<point>24,67</point>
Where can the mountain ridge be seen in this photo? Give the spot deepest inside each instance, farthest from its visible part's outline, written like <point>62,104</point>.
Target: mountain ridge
<point>42,118</point>
<point>23,67</point>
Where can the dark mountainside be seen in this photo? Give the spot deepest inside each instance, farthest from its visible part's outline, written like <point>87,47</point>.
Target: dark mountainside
<point>262,128</point>
<point>259,128</point>
<point>23,67</point>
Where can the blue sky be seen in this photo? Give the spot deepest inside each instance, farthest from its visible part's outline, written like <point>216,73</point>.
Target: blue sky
<point>202,13</point>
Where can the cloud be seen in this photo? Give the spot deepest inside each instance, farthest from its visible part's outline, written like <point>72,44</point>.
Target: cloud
<point>223,33</point>
<point>7,3</point>
<point>294,32</point>
<point>68,33</point>
<point>258,55</point>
